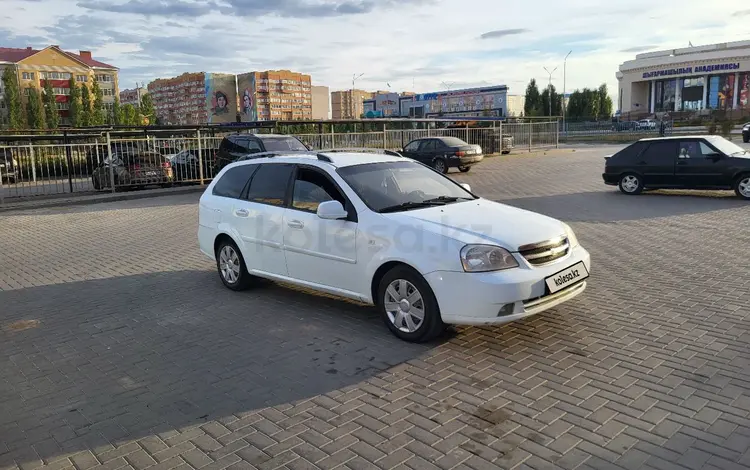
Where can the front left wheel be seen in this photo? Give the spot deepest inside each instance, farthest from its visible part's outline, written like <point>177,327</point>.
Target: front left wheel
<point>408,306</point>
<point>742,187</point>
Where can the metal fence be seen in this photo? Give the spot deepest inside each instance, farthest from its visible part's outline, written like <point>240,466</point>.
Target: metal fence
<point>36,169</point>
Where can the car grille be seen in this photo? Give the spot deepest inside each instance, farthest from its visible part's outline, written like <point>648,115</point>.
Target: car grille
<point>545,252</point>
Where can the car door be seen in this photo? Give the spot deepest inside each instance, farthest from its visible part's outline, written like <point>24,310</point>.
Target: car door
<point>320,251</point>
<point>657,163</point>
<point>699,164</point>
<point>411,149</point>
<point>259,215</point>
<point>427,151</point>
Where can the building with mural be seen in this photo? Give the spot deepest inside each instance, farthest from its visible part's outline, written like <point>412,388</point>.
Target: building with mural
<point>384,105</point>
<point>35,67</point>
<point>488,101</point>
<point>195,98</point>
<point>713,77</point>
<point>278,95</point>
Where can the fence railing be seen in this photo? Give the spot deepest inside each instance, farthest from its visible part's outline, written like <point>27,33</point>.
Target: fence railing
<point>113,164</point>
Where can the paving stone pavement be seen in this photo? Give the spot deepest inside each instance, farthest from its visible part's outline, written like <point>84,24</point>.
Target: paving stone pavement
<point>120,348</point>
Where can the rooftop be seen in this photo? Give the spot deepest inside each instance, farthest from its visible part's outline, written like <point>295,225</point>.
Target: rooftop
<point>335,158</point>
<point>14,55</point>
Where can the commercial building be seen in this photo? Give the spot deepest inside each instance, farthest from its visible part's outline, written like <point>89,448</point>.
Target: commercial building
<point>384,104</point>
<point>515,105</point>
<point>321,102</point>
<point>34,67</point>
<point>348,104</point>
<point>132,96</point>
<point>488,101</point>
<point>195,98</point>
<point>713,77</point>
<point>277,95</point>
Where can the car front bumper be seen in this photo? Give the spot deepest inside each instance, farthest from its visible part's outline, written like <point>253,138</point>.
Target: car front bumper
<point>503,296</point>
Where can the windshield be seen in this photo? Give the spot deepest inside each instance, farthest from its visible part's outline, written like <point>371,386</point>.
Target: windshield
<point>281,144</point>
<point>390,185</point>
<point>453,141</point>
<point>726,147</point>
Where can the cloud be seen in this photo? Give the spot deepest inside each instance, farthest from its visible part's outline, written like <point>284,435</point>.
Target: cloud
<point>179,8</point>
<point>499,33</point>
<point>741,13</point>
<point>639,49</point>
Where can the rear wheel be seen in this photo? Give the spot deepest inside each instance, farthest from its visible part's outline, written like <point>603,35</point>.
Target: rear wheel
<point>464,169</point>
<point>746,138</point>
<point>231,266</point>
<point>630,183</point>
<point>440,165</point>
<point>408,305</point>
<point>742,187</point>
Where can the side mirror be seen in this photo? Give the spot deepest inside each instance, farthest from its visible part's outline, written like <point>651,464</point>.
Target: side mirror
<point>466,186</point>
<point>331,210</point>
<point>714,156</point>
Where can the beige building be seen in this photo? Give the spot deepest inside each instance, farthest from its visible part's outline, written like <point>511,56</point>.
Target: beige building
<point>515,105</point>
<point>321,103</point>
<point>275,95</point>
<point>347,104</point>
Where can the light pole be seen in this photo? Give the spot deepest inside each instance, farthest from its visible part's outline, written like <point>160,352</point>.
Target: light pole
<point>549,88</point>
<point>563,95</point>
<point>356,77</point>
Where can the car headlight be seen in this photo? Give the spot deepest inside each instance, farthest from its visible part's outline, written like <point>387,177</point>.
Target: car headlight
<point>572,239</point>
<point>482,258</point>
<point>746,128</point>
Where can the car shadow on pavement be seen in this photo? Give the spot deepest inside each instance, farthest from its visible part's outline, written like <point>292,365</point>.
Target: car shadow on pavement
<point>87,363</point>
<point>163,200</point>
<point>613,206</point>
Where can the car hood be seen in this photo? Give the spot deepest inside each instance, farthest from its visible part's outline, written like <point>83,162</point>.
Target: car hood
<point>484,221</point>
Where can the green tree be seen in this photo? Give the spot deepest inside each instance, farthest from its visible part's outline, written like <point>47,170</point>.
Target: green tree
<point>34,109</point>
<point>98,117</point>
<point>74,99</point>
<point>605,101</point>
<point>129,115</point>
<point>544,99</point>
<point>12,97</point>
<point>50,103</point>
<point>147,109</point>
<point>533,104</point>
<point>116,117</point>
<point>86,111</point>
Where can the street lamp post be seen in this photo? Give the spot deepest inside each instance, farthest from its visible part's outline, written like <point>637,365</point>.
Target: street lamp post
<point>549,88</point>
<point>563,95</point>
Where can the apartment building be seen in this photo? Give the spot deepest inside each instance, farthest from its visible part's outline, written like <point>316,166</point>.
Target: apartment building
<point>132,96</point>
<point>276,95</point>
<point>347,104</point>
<point>35,67</point>
<point>321,103</point>
<point>195,98</point>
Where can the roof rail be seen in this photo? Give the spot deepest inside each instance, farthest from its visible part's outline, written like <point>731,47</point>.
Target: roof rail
<point>277,153</point>
<point>361,150</point>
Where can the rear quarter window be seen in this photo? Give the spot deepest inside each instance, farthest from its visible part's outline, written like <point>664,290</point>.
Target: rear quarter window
<point>233,182</point>
<point>628,153</point>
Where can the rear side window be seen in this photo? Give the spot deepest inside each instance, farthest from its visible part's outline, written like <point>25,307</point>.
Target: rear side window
<point>660,153</point>
<point>427,146</point>
<point>252,145</point>
<point>630,152</point>
<point>270,183</point>
<point>233,181</point>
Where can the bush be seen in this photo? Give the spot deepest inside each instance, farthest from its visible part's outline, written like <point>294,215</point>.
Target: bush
<point>726,128</point>
<point>711,127</point>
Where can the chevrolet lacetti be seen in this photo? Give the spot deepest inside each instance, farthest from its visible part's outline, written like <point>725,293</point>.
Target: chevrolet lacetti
<point>388,231</point>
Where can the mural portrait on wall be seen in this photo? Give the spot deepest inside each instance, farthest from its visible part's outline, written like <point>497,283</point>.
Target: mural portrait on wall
<point>220,103</point>
<point>247,103</point>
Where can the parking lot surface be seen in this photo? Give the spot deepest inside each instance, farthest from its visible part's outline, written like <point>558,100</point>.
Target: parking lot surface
<point>120,348</point>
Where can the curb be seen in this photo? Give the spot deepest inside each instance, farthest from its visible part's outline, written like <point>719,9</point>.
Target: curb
<point>97,199</point>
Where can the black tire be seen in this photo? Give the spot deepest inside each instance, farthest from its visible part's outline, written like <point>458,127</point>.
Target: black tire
<point>431,324</point>
<point>464,169</point>
<point>505,152</point>
<point>746,138</point>
<point>626,184</point>
<point>95,183</point>
<point>244,280</point>
<point>743,182</point>
<point>440,165</point>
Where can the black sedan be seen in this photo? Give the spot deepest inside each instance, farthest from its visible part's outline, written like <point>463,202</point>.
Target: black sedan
<point>746,132</point>
<point>443,153</point>
<point>186,166</point>
<point>685,162</point>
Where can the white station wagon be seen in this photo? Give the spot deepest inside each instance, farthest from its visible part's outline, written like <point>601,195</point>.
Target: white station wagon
<point>387,231</point>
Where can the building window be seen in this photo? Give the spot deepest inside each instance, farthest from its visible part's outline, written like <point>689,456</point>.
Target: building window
<point>743,100</point>
<point>27,75</point>
<point>691,95</point>
<point>665,95</point>
<point>61,91</point>
<point>720,91</point>
<point>104,78</point>
<point>62,106</point>
<point>82,78</point>
<point>26,91</point>
<point>108,92</point>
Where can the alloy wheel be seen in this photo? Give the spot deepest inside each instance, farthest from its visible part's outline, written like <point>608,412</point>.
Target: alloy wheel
<point>440,166</point>
<point>404,306</point>
<point>229,264</point>
<point>630,183</point>
<point>744,187</point>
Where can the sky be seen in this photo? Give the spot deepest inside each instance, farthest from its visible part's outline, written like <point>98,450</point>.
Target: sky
<point>420,45</point>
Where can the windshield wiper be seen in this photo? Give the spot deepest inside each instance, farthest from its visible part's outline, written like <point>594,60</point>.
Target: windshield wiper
<point>447,199</point>
<point>410,205</point>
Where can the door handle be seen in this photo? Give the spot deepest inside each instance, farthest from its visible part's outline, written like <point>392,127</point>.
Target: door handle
<point>295,224</point>
<point>241,212</point>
